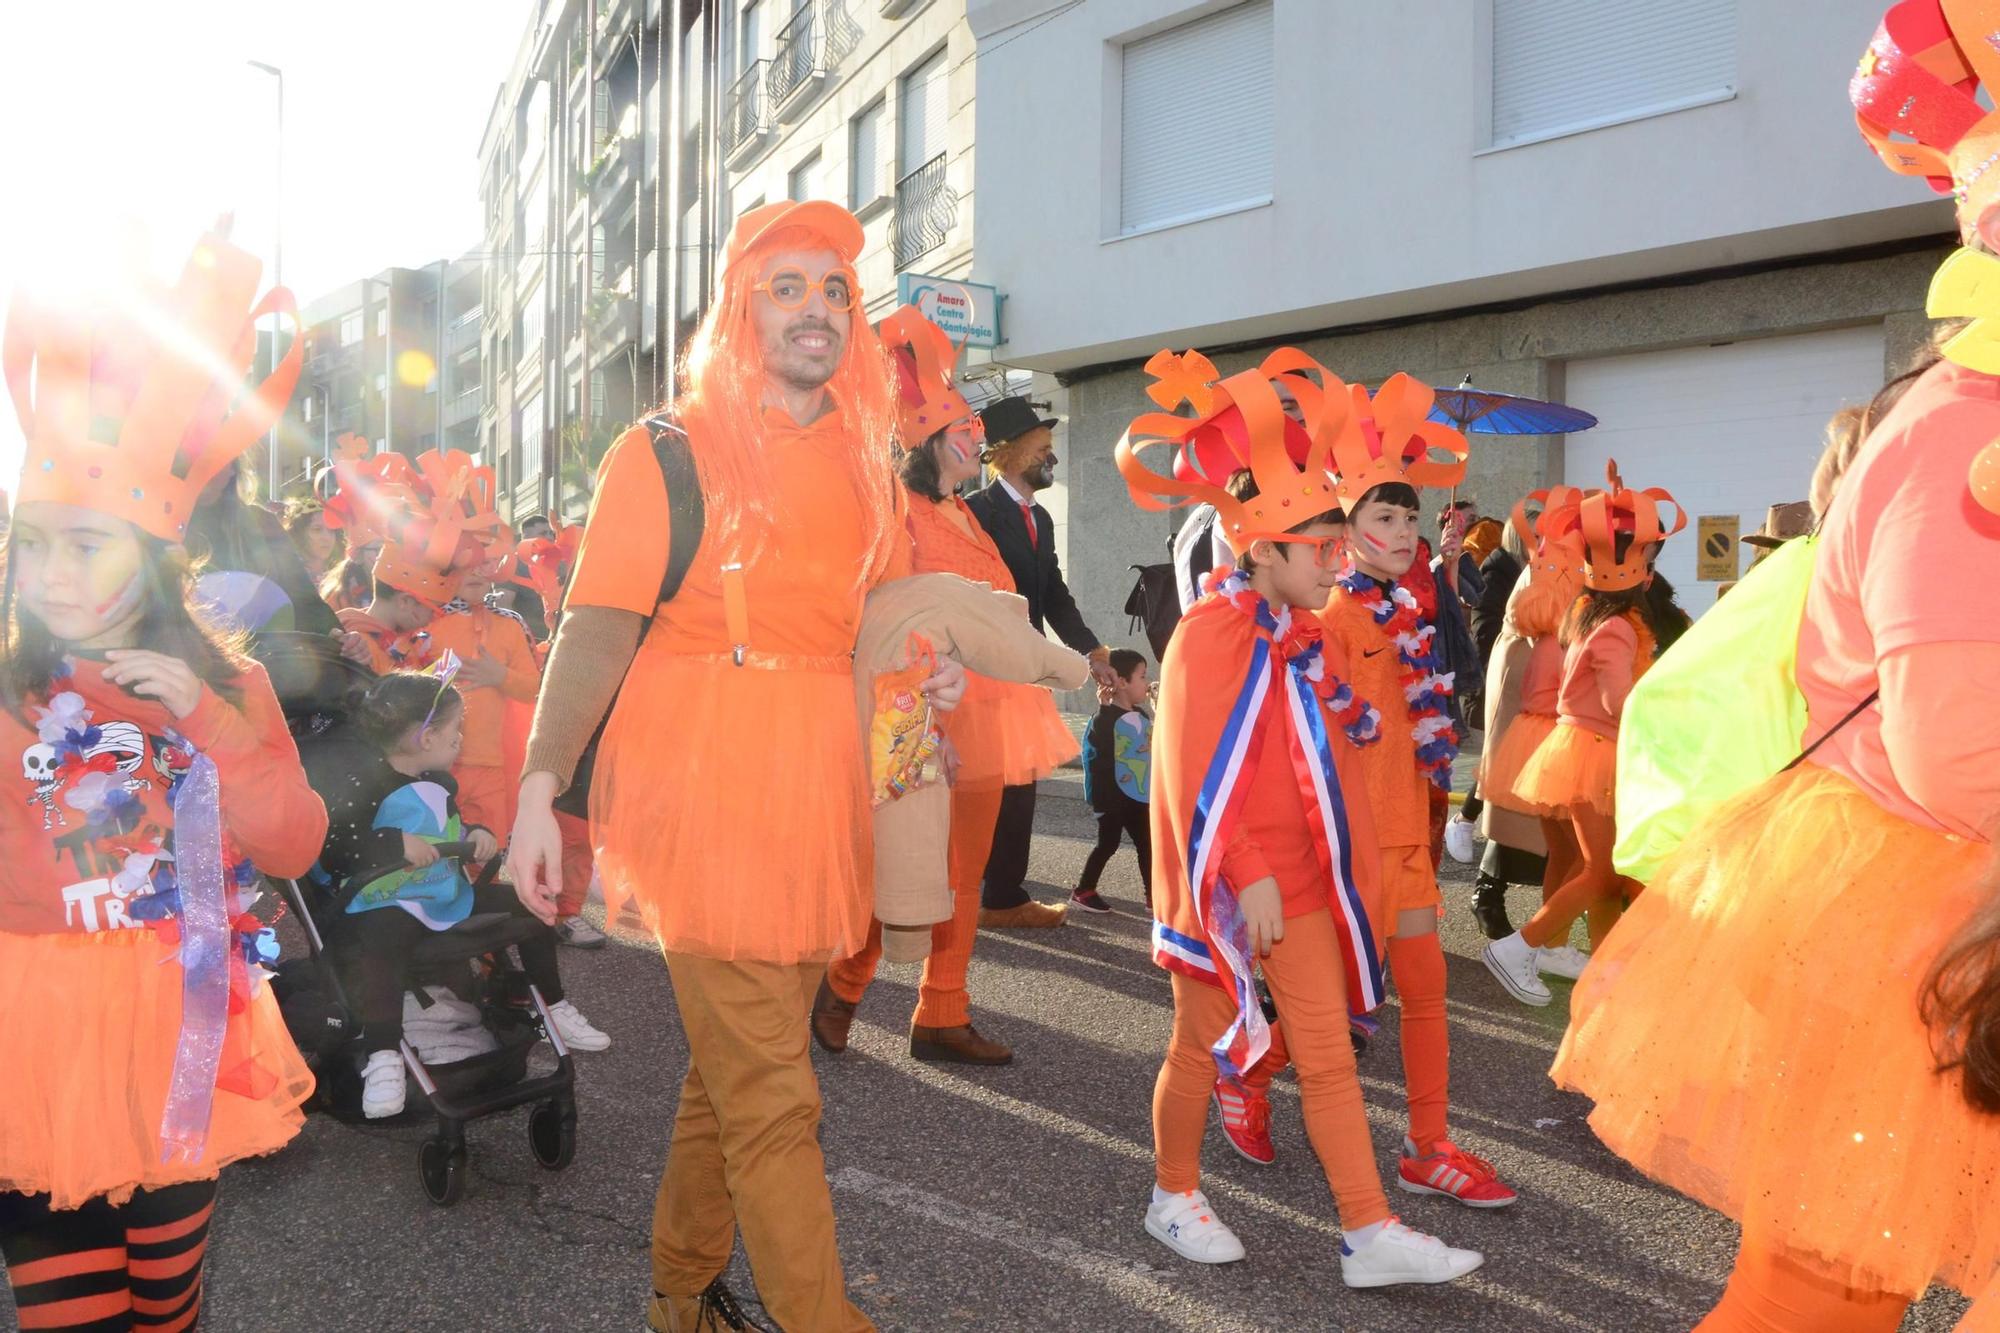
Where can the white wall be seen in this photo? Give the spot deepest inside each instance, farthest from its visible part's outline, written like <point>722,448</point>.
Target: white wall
<point>1384,205</point>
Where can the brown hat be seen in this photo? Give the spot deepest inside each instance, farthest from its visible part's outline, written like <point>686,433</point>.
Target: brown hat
<point>1782,523</point>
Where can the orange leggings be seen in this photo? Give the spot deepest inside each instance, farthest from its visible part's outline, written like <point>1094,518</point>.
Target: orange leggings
<point>579,863</point>
<point>1770,1292</point>
<point>1594,886</point>
<point>941,998</point>
<point>1308,980</point>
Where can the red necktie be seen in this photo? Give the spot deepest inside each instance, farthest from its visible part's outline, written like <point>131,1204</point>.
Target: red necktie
<point>1028,513</point>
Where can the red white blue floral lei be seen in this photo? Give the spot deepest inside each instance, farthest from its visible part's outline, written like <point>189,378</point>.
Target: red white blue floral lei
<point>1426,689</point>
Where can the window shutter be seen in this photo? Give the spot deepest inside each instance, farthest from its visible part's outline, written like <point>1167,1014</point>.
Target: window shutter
<point>866,159</point>
<point>923,114</point>
<point>1196,119</point>
<point>1561,66</point>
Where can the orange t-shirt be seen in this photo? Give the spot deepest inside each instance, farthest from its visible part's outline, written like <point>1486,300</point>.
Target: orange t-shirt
<point>1597,674</point>
<point>1397,790</point>
<point>1908,560</point>
<point>468,632</point>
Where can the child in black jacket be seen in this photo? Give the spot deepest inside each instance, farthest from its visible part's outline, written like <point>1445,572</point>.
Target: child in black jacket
<point>1117,766</point>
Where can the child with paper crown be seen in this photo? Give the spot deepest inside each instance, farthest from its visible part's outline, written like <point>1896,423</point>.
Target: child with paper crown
<point>1610,638</point>
<point>141,1051</point>
<point>1834,926</point>
<point>425,545</point>
<point>1004,734</point>
<point>1263,848</point>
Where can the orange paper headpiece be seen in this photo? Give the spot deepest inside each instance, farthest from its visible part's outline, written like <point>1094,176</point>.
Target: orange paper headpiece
<point>1604,516</point>
<point>1915,99</point>
<point>1389,438</point>
<point>1288,492</point>
<point>133,407</point>
<point>924,356</point>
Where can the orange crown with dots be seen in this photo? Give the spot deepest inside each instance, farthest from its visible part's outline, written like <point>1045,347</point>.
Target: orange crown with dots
<point>1390,438</point>
<point>1288,493</point>
<point>131,405</point>
<point>1554,536</point>
<point>435,517</point>
<point>924,355</point>
<point>1916,100</point>
<point>1602,517</point>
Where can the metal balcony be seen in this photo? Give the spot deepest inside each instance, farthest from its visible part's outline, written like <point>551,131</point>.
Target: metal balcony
<point>463,408</point>
<point>925,211</point>
<point>746,119</point>
<point>803,60</point>
<point>611,174</point>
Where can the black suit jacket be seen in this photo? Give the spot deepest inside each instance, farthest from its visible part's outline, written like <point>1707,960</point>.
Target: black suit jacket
<point>1037,574</point>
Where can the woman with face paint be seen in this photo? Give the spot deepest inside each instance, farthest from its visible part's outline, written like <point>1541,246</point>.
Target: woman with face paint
<point>142,1051</point>
<point>1004,734</point>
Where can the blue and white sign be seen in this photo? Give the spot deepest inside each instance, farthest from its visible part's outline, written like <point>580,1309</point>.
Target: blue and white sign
<point>968,311</point>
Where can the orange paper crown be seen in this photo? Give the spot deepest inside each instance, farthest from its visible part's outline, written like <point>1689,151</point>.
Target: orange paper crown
<point>434,517</point>
<point>1389,439</point>
<point>1603,516</point>
<point>132,407</point>
<point>924,355</point>
<point>1915,99</point>
<point>1288,493</point>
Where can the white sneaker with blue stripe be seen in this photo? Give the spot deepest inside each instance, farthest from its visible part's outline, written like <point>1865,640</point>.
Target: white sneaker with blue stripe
<point>1396,1255</point>
<point>1185,1224</point>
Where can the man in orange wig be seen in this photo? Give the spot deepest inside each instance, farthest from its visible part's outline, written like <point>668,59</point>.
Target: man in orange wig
<point>730,795</point>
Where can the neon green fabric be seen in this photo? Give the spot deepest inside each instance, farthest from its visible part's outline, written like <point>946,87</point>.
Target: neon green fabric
<point>1717,714</point>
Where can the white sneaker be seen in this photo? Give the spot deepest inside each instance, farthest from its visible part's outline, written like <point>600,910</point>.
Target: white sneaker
<point>1564,962</point>
<point>575,1029</point>
<point>1461,840</point>
<point>579,934</point>
<point>1185,1224</point>
<point>383,1086</point>
<point>1512,963</point>
<point>1398,1254</point>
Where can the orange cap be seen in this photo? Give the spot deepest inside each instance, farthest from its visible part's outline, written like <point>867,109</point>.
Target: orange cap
<point>839,228</point>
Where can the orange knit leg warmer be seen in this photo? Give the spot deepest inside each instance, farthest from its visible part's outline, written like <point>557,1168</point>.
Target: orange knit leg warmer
<point>1416,962</point>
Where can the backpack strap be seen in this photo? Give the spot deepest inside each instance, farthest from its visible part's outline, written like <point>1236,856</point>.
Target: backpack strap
<point>687,519</point>
<point>1832,731</point>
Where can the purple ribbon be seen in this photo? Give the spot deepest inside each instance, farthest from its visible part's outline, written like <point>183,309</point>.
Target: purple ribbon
<point>204,956</point>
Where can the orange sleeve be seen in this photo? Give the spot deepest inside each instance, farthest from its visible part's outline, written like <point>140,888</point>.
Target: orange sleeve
<point>627,538</point>
<point>273,815</point>
<point>517,653</point>
<point>1613,648</point>
<point>1243,862</point>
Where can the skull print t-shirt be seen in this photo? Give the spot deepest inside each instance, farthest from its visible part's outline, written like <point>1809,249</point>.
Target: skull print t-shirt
<point>87,839</point>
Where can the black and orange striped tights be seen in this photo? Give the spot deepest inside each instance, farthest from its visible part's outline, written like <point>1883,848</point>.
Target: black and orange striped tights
<point>132,1268</point>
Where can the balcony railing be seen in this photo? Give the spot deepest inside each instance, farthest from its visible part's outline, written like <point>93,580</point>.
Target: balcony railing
<point>925,211</point>
<point>801,62</point>
<point>745,117</point>
<point>463,408</point>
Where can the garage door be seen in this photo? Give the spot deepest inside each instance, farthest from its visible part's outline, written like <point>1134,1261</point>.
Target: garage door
<point>1729,430</point>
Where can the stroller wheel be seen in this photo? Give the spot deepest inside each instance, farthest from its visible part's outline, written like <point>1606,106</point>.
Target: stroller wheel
<point>552,1132</point>
<point>443,1169</point>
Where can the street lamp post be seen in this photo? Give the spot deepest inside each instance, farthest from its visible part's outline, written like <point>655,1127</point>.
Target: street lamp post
<point>278,259</point>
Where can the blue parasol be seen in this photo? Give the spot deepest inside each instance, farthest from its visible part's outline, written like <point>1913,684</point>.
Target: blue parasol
<point>1484,412</point>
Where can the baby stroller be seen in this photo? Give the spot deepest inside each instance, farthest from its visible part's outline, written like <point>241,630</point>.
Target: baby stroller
<point>481,1085</point>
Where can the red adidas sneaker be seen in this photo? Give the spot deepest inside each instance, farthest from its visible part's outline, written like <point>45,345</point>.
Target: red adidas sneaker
<point>1246,1121</point>
<point>1454,1173</point>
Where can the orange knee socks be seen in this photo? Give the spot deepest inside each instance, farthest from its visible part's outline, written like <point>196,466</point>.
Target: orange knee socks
<point>1417,964</point>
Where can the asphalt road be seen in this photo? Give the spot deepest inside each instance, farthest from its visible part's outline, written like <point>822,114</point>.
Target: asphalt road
<point>990,1199</point>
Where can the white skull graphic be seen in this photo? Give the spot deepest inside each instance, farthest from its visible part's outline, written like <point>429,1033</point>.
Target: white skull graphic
<point>38,764</point>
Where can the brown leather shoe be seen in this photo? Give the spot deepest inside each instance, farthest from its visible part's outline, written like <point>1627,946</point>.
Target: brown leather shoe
<point>831,1017</point>
<point>1030,915</point>
<point>957,1046</point>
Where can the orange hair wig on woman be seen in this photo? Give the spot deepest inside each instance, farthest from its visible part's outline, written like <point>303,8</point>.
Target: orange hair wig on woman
<point>722,402</point>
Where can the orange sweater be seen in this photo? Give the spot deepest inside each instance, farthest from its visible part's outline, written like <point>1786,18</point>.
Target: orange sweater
<point>58,868</point>
<point>1397,792</point>
<point>476,630</point>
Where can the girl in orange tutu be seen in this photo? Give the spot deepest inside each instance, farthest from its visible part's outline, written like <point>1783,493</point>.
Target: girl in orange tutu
<point>1005,735</point>
<point>141,1051</point>
<point>1834,928</point>
<point>1608,640</point>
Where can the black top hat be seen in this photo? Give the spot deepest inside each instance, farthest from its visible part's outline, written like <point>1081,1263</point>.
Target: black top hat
<point>1010,418</point>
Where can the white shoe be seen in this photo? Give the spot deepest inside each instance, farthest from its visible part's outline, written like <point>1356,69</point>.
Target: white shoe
<point>383,1086</point>
<point>1185,1224</point>
<point>1398,1254</point>
<point>579,934</point>
<point>1512,963</point>
<point>1564,962</point>
<point>1461,840</point>
<point>575,1029</point>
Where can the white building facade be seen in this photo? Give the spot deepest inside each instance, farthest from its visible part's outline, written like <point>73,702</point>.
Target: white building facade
<point>1660,212</point>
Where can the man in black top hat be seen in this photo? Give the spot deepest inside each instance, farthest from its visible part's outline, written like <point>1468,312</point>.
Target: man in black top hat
<point>1020,447</point>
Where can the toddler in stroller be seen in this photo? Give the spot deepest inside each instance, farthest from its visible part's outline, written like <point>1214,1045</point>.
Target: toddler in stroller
<point>384,774</point>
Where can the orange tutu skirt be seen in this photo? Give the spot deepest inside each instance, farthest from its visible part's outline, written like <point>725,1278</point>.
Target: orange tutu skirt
<point>1572,766</point>
<point>1500,764</point>
<point>731,806</point>
<point>1750,1035</point>
<point>87,1051</point>
<point>1007,735</point>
